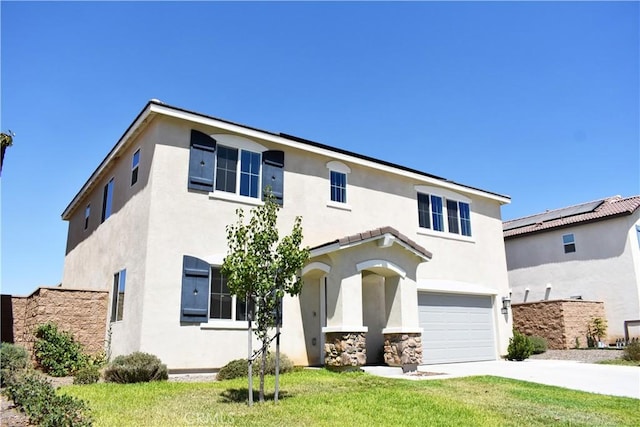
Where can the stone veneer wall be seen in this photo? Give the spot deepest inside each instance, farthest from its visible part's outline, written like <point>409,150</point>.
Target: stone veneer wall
<point>403,350</point>
<point>560,322</point>
<point>345,349</point>
<point>83,313</point>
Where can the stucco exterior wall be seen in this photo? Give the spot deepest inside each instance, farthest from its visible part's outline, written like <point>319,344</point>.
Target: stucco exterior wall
<point>169,221</point>
<point>80,312</point>
<point>96,254</point>
<point>563,323</point>
<point>603,268</point>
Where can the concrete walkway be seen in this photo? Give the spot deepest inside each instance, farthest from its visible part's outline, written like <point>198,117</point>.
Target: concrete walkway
<point>602,379</point>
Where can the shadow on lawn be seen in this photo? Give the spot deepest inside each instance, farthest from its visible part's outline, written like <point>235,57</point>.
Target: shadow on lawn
<point>240,395</point>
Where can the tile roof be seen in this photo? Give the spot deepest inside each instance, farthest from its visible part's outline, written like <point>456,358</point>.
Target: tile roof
<point>376,233</point>
<point>596,210</point>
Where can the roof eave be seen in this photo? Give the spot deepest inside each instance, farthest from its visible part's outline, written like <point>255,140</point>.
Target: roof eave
<point>569,225</point>
<point>133,129</point>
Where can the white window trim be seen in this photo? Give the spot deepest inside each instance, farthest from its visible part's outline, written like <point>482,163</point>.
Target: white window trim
<point>445,195</point>
<point>339,205</point>
<point>237,198</point>
<point>445,235</point>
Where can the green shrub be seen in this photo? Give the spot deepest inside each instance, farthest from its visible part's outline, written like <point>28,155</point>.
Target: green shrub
<point>238,368</point>
<point>520,347</point>
<point>57,352</point>
<point>13,358</point>
<point>135,368</point>
<point>539,344</point>
<point>38,399</point>
<point>632,352</point>
<point>87,375</point>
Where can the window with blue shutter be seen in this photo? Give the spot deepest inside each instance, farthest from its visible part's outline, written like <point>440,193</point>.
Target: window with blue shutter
<point>195,290</point>
<point>201,161</point>
<point>273,173</point>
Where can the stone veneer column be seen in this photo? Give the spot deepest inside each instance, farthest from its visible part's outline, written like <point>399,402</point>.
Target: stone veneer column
<point>345,350</point>
<point>403,349</point>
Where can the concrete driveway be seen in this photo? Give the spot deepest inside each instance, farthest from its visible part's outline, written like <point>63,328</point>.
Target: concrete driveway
<point>602,379</point>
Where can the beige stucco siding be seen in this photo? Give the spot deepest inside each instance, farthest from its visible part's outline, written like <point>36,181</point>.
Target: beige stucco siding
<point>96,254</point>
<point>153,228</point>
<point>603,268</point>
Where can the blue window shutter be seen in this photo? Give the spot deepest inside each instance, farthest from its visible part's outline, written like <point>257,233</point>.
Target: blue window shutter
<point>201,161</point>
<point>273,173</point>
<point>195,290</point>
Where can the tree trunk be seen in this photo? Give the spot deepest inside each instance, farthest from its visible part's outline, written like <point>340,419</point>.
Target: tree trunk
<point>263,365</point>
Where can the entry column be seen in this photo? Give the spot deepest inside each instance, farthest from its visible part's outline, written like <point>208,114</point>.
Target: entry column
<point>345,336</point>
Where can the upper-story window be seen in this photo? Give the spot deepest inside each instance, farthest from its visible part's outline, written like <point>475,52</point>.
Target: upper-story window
<point>107,200</point>
<point>213,167</point>
<point>87,213</point>
<point>569,243</point>
<point>338,172</point>
<point>135,165</point>
<point>434,205</point>
<point>338,187</point>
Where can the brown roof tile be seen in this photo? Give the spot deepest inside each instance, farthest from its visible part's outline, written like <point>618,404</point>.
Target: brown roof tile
<point>360,237</point>
<point>602,209</point>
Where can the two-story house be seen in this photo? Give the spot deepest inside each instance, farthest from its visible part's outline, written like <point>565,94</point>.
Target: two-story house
<point>589,251</point>
<point>398,256</point>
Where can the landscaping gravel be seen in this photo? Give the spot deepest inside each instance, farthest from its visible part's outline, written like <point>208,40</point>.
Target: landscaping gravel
<point>587,355</point>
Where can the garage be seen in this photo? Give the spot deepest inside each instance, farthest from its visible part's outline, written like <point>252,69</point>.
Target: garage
<point>456,328</point>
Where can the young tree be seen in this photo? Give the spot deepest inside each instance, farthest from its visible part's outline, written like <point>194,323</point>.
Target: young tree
<point>262,268</point>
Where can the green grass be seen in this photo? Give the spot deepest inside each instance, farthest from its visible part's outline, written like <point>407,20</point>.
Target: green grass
<point>322,398</point>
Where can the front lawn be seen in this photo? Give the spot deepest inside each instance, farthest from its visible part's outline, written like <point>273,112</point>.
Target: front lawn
<point>319,397</point>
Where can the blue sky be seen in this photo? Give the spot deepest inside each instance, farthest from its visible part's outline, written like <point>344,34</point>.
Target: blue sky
<point>538,101</point>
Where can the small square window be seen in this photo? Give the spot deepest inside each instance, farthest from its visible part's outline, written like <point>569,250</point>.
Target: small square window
<point>569,243</point>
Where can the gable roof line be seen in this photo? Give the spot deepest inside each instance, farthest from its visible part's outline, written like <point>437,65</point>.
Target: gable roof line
<point>154,107</point>
<point>607,208</point>
<point>372,235</point>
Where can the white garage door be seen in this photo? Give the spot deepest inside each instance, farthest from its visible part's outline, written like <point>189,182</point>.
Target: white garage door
<point>456,328</point>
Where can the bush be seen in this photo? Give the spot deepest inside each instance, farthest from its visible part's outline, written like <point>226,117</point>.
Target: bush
<point>13,359</point>
<point>38,399</point>
<point>632,352</point>
<point>57,352</point>
<point>238,368</point>
<point>539,344</point>
<point>520,347</point>
<point>88,375</point>
<point>135,368</point>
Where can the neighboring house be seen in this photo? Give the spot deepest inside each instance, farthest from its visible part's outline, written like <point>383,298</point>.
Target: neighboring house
<point>398,256</point>
<point>589,251</point>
